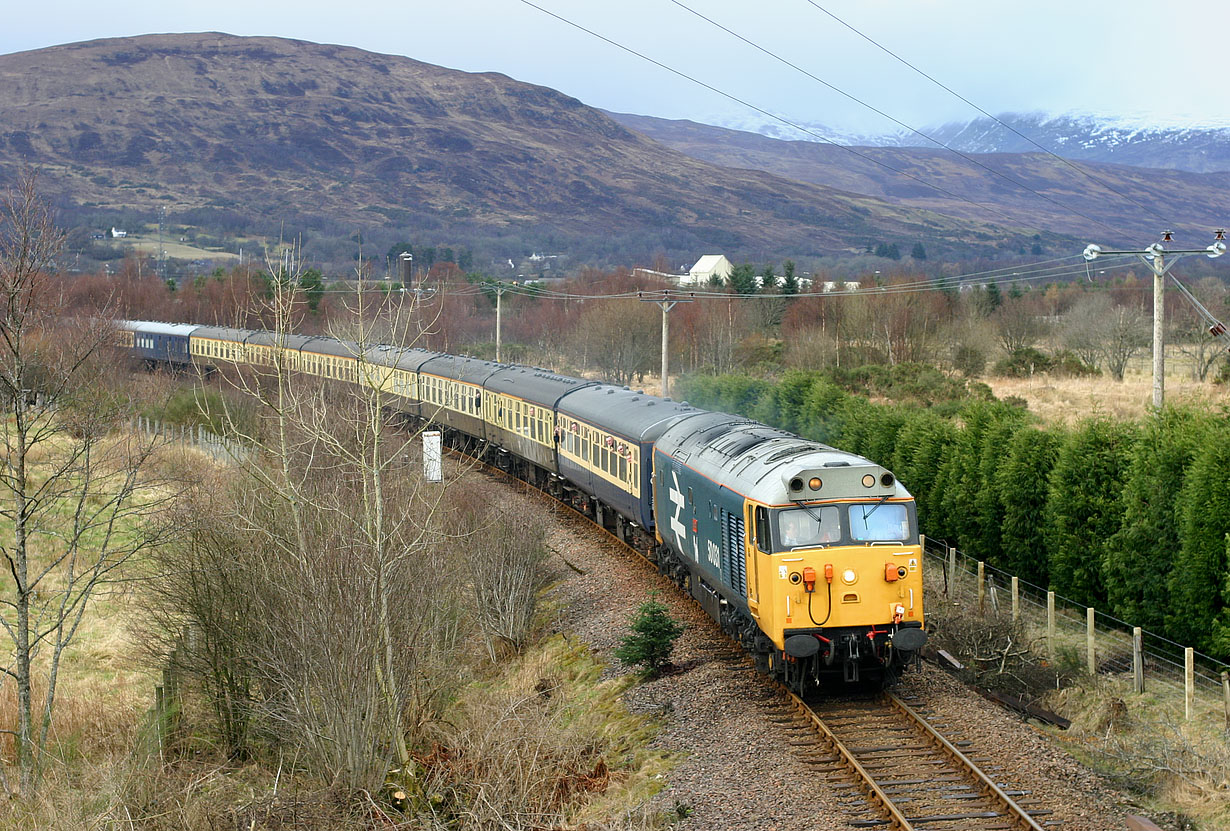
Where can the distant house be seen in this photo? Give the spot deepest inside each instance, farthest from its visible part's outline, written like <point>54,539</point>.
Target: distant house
<point>117,233</point>
<point>707,268</point>
<point>849,285</point>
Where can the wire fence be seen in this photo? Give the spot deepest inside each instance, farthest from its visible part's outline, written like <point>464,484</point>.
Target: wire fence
<point>1068,634</point>
<point>195,436</point>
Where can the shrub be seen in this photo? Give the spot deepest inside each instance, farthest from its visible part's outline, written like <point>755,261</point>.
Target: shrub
<point>652,638</point>
<point>1066,364</point>
<point>1022,363</point>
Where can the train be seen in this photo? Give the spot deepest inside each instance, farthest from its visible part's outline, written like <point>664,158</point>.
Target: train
<point>810,557</point>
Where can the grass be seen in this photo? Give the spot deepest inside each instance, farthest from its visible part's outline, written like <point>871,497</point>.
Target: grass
<point>1068,400</point>
<point>547,741</point>
<point>1142,742</point>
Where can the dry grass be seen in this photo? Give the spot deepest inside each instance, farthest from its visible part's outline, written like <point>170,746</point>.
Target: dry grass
<point>548,745</point>
<point>1144,743</point>
<point>1068,400</point>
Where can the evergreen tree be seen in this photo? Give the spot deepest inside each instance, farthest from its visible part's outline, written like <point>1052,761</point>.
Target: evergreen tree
<point>652,638</point>
<point>1141,554</point>
<point>790,283</point>
<point>742,279</point>
<point>963,481</point>
<point>918,252</point>
<point>1198,580</point>
<point>917,459</point>
<point>1022,481</point>
<point>768,280</point>
<point>1083,507</point>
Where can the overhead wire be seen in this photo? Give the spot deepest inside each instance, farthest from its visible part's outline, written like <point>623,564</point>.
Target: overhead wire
<point>996,119</point>
<point>894,119</point>
<point>793,125</point>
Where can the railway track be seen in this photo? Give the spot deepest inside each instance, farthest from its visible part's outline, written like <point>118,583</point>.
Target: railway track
<point>909,775</point>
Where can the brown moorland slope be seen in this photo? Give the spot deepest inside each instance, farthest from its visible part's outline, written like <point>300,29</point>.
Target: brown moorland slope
<point>233,132</point>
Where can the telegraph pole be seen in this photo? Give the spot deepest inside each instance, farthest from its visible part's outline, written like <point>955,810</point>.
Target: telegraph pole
<point>1155,258</point>
<point>667,302</point>
<point>499,294</point>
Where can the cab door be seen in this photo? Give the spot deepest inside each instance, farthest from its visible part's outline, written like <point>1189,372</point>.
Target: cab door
<point>757,547</point>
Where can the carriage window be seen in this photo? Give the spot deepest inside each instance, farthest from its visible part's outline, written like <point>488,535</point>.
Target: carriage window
<point>623,469</point>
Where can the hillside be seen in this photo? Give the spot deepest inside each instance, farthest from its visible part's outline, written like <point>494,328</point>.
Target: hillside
<point>245,136</point>
<point>1188,203</point>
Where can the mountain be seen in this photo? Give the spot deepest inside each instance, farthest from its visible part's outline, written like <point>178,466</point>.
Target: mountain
<point>248,136</point>
<point>1127,141</point>
<point>1114,203</point>
<point>1136,140</point>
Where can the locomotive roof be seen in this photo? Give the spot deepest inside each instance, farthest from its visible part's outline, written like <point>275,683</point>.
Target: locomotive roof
<point>153,327</point>
<point>760,462</point>
<point>624,411</point>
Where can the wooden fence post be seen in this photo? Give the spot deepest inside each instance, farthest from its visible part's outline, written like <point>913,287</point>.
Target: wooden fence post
<point>1225,692</point>
<point>1016,599</point>
<point>1050,625</point>
<point>982,586</point>
<point>1091,659</point>
<point>952,570</point>
<point>1138,660</point>
<point>1189,683</point>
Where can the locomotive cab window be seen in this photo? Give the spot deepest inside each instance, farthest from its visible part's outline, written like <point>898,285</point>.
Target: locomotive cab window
<point>815,526</point>
<point>879,522</point>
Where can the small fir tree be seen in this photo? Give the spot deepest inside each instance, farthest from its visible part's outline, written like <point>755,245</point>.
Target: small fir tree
<point>652,638</point>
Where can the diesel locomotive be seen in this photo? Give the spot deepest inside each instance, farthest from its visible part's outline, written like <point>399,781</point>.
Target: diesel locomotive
<point>807,555</point>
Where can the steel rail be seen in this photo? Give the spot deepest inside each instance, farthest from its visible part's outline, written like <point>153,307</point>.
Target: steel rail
<point>1017,815</point>
<point>846,759</point>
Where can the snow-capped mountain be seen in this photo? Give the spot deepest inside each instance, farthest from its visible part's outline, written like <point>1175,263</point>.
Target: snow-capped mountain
<point>1194,147</point>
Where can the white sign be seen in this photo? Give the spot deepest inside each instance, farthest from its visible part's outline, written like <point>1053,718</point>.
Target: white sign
<point>432,457</point>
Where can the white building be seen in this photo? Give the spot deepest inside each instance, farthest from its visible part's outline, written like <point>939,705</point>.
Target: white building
<point>116,233</point>
<point>706,268</point>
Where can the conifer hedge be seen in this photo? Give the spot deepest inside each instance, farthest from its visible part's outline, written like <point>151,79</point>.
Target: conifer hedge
<point>1129,517</point>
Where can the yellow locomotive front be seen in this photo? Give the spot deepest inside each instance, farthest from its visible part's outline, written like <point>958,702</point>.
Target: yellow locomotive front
<point>838,574</point>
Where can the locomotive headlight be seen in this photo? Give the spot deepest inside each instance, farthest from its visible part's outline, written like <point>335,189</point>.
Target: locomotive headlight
<point>814,483</point>
<point>848,576</point>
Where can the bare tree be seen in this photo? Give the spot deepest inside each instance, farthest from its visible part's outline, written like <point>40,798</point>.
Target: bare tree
<point>340,625</point>
<point>1189,330</point>
<point>1018,324</point>
<point>74,493</point>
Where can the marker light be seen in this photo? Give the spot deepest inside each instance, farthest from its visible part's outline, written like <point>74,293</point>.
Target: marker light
<point>868,480</point>
<point>814,483</point>
<point>849,576</point>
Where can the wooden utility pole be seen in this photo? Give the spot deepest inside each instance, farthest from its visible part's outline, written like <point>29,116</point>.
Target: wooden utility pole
<point>667,301</point>
<point>1155,258</point>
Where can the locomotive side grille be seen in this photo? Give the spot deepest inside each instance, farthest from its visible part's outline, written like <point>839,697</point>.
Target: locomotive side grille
<point>734,562</point>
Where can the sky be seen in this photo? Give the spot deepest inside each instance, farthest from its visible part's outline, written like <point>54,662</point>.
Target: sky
<point>1142,61</point>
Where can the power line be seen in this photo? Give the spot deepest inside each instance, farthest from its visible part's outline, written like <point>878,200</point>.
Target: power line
<point>994,118</point>
<point>892,118</point>
<point>775,116</point>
